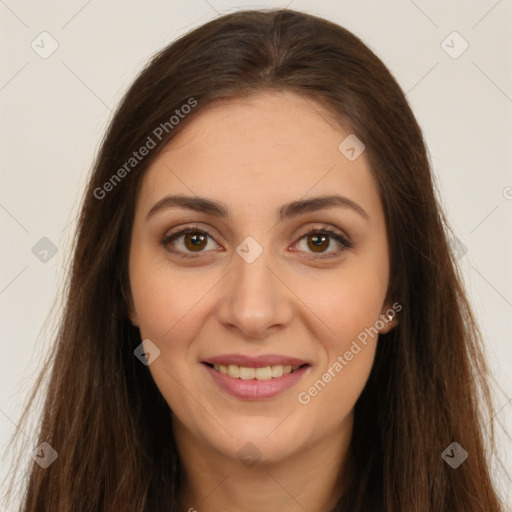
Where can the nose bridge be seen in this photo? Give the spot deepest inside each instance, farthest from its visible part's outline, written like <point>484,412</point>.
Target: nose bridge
<point>254,299</point>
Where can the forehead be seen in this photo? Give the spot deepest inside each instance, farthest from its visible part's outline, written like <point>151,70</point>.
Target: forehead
<point>270,147</point>
<point>251,131</point>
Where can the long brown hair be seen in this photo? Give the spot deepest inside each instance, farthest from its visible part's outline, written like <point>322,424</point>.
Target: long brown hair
<point>103,413</point>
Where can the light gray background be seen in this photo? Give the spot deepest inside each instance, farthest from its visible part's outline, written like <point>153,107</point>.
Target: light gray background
<point>55,110</point>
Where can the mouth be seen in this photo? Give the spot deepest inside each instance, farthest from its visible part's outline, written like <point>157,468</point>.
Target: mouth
<point>255,382</point>
<point>258,373</point>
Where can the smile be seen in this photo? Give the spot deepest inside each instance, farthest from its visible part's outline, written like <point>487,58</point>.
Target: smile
<point>259,373</point>
<point>255,383</point>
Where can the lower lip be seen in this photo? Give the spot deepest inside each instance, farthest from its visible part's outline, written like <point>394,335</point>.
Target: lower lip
<point>254,389</point>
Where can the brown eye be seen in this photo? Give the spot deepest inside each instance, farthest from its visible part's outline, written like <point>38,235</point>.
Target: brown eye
<point>186,242</point>
<point>318,243</point>
<point>194,241</point>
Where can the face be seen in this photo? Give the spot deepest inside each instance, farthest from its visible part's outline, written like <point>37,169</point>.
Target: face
<point>263,281</point>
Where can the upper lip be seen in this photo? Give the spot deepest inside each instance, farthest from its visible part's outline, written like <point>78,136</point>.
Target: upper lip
<point>255,362</point>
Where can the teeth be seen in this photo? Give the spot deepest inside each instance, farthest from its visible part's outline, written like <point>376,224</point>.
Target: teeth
<point>234,371</point>
<point>264,373</point>
<point>247,373</point>
<point>277,371</point>
<point>261,373</point>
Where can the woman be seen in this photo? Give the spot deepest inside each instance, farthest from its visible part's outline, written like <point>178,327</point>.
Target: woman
<point>263,312</point>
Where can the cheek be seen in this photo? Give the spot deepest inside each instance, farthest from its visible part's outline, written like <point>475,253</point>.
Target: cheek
<point>165,300</point>
<point>347,302</point>
<point>350,309</point>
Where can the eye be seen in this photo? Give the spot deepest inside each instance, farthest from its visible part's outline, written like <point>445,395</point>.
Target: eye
<point>195,240</point>
<point>317,239</point>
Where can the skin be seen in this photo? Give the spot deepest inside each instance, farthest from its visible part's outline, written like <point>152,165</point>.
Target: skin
<point>254,155</point>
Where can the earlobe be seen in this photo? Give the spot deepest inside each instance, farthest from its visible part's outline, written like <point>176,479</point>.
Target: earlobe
<point>389,324</point>
<point>388,320</point>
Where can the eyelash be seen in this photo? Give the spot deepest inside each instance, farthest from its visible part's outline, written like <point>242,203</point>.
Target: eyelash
<point>345,243</point>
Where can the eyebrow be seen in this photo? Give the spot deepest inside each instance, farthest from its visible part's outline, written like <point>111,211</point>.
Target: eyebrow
<point>287,211</point>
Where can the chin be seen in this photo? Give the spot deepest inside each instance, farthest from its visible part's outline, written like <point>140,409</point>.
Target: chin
<point>266,443</point>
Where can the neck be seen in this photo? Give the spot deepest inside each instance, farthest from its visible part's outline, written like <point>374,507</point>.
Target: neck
<point>308,479</point>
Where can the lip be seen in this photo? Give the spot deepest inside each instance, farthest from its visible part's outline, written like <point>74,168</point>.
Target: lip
<point>253,389</point>
<point>255,362</point>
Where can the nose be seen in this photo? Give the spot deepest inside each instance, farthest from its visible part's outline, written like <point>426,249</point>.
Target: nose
<point>254,300</point>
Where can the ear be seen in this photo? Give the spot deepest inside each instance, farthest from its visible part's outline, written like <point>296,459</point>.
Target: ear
<point>388,318</point>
